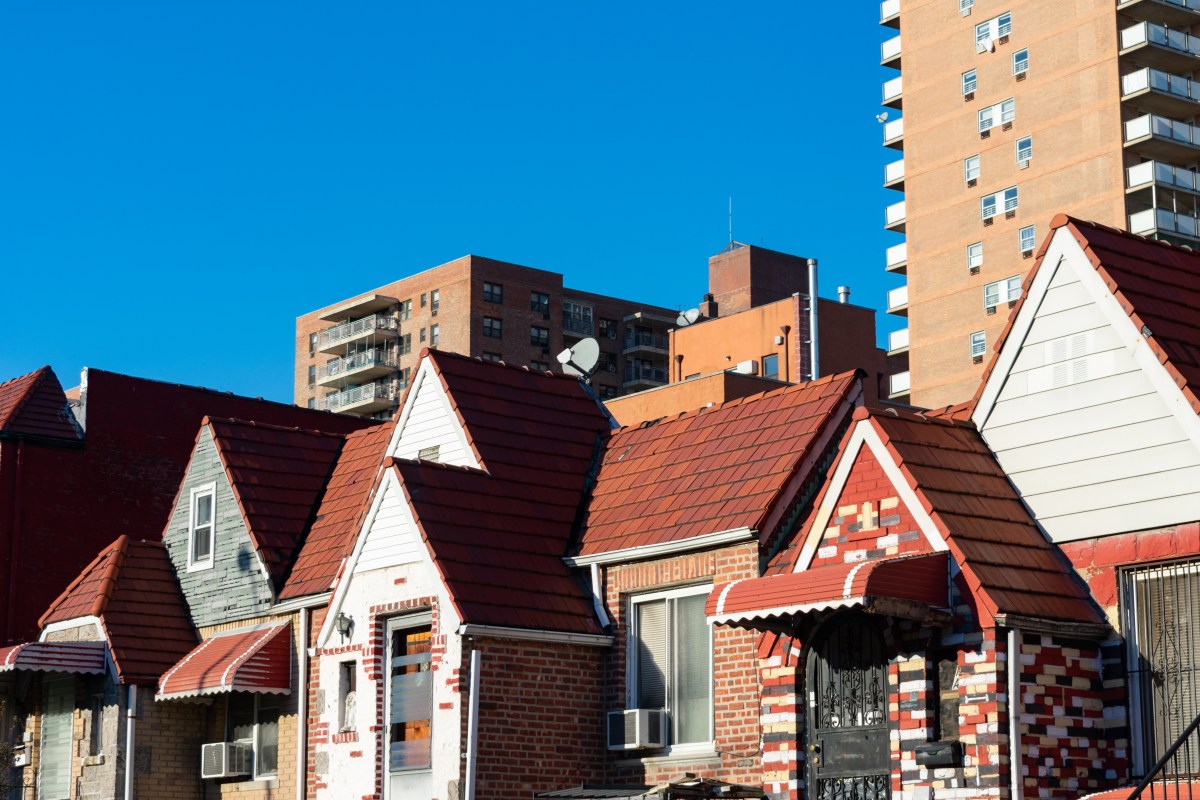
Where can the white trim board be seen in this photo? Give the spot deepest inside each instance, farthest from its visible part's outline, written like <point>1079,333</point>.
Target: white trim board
<point>642,552</point>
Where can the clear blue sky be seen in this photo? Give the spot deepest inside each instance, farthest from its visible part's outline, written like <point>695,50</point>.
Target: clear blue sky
<point>180,180</point>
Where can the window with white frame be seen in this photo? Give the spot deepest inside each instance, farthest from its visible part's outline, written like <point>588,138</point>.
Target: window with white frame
<point>1027,239</point>
<point>969,82</point>
<point>965,6</point>
<point>978,344</point>
<point>1003,200</point>
<point>993,29</point>
<point>975,256</point>
<point>1005,291</point>
<point>971,168</point>
<point>1021,61</point>
<point>201,526</point>
<point>1024,149</point>
<point>670,661</point>
<point>1001,113</point>
<point>410,694</point>
<point>254,719</point>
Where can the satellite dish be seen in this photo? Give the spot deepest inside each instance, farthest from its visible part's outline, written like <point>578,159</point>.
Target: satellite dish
<point>881,117</point>
<point>581,359</point>
<point>687,317</point>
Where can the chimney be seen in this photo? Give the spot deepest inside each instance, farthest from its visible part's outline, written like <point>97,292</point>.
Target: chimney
<point>843,294</point>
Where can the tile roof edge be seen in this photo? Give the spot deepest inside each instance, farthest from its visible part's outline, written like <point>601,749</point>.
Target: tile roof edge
<point>250,423</point>
<point>118,545</point>
<point>34,379</point>
<point>397,462</point>
<point>237,495</point>
<point>435,354</point>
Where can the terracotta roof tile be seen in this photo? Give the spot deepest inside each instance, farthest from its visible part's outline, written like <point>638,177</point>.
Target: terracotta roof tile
<point>35,405</point>
<point>131,588</point>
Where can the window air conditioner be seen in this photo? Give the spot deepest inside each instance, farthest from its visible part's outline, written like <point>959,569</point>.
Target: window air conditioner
<point>636,728</point>
<point>225,759</point>
<point>747,367</point>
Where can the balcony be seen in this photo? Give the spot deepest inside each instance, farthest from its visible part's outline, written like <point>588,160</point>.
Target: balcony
<point>646,341</point>
<point>893,134</point>
<point>897,301</point>
<point>894,217</point>
<point>577,326</point>
<point>331,340</point>
<point>357,368</point>
<point>898,386</point>
<point>893,93</point>
<point>643,376</point>
<point>893,175</point>
<point>889,13</point>
<point>898,342</point>
<point>361,307</point>
<point>368,399</point>
<point>1162,138</point>
<point>1156,174</point>
<point>889,52</point>
<point>1169,12</point>
<point>1161,92</point>
<point>1152,45</point>
<point>1160,222</point>
<point>897,258</point>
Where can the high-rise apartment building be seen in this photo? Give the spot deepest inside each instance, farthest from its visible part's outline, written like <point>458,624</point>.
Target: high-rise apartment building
<point>357,356</point>
<point>1006,112</point>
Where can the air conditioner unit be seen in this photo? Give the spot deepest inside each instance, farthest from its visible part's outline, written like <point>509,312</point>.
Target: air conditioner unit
<point>747,367</point>
<point>1024,163</point>
<point>226,759</point>
<point>636,728</point>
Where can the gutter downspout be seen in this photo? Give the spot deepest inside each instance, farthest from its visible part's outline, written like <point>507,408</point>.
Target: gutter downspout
<point>472,726</point>
<point>814,368</point>
<point>130,728</point>
<point>302,710</point>
<point>1016,779</point>
<point>597,601</point>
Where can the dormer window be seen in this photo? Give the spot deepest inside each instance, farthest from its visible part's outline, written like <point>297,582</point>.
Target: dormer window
<point>201,527</point>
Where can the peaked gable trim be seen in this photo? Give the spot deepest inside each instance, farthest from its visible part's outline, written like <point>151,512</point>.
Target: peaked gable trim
<point>864,434</point>
<point>427,373</point>
<point>716,539</point>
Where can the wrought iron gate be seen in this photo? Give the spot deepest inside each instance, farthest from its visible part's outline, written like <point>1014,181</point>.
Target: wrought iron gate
<point>847,713</point>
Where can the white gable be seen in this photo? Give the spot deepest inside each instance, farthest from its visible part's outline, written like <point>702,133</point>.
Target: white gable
<point>427,420</point>
<point>1082,417</point>
<point>391,537</point>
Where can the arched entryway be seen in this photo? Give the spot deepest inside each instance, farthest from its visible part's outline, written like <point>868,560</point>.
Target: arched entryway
<point>847,720</point>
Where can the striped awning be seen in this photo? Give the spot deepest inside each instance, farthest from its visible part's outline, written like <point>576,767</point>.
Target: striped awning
<point>255,660</point>
<point>900,586</point>
<point>83,658</point>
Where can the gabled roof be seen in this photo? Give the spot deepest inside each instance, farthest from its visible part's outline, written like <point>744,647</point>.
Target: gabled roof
<point>498,545</point>
<point>1156,283</point>
<point>710,471</point>
<point>35,405</point>
<point>131,588</point>
<point>346,499</point>
<point>277,475</point>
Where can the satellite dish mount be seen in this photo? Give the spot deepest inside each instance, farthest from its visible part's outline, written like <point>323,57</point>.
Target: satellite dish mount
<point>580,359</point>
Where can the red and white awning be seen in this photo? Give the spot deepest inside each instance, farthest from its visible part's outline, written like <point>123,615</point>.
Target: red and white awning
<point>82,658</point>
<point>257,660</point>
<point>902,586</point>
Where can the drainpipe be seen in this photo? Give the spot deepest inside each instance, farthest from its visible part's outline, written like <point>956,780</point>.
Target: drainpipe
<point>472,726</point>
<point>302,710</point>
<point>130,726</point>
<point>1016,779</point>
<point>597,601</point>
<point>814,369</point>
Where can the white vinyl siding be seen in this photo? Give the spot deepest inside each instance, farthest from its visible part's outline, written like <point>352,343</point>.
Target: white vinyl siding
<point>392,538</point>
<point>54,779</point>
<point>433,422</point>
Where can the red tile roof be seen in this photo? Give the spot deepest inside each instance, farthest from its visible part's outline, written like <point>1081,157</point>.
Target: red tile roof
<point>347,497</point>
<point>277,475</point>
<point>256,660</point>
<point>708,471</point>
<point>34,405</point>
<point>131,588</point>
<point>1156,283</point>
<point>498,545</point>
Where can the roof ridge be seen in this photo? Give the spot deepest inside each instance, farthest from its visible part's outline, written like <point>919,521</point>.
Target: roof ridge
<point>35,380</point>
<point>118,544</point>
<point>108,581</point>
<point>416,462</point>
<point>915,416</point>
<point>435,354</point>
<point>283,428</point>
<point>1061,220</point>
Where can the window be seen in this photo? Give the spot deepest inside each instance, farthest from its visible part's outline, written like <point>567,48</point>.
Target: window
<point>971,169</point>
<point>608,361</point>
<point>944,681</point>
<point>1027,238</point>
<point>1021,61</point>
<point>435,299</point>
<point>608,328</point>
<point>1002,113</point>
<point>965,6</point>
<point>991,204</point>
<point>489,356</point>
<point>608,392</point>
<point>974,256</point>
<point>347,695</point>
<point>422,334</point>
<point>405,344</point>
<point>577,317</point>
<point>670,661</point>
<point>538,336</point>
<point>200,526</point>
<point>312,374</point>
<point>968,82</point>
<point>539,366</point>
<point>539,302</point>
<point>493,328</point>
<point>95,725</point>
<point>402,380</point>
<point>312,344</point>
<point>435,334</point>
<point>1024,149</point>
<point>312,402</point>
<point>422,300</point>
<point>410,696</point>
<point>254,718</point>
<point>1005,291</point>
<point>978,344</point>
<point>406,310</point>
<point>770,366</point>
<point>993,29</point>
<point>493,292</point>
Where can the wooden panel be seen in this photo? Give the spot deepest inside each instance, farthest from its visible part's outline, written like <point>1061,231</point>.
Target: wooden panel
<point>1077,472</point>
<point>1064,298</point>
<point>431,423</point>
<point>1139,489</point>
<point>1064,323</point>
<point>1127,439</point>
<point>392,538</point>
<point>1131,517</point>
<point>1095,418</point>
<point>1039,408</point>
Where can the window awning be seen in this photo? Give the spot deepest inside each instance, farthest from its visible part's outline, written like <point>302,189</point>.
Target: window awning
<point>82,658</point>
<point>258,660</point>
<point>901,586</point>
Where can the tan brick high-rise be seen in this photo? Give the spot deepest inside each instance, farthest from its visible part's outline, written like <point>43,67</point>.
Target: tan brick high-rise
<point>1006,113</point>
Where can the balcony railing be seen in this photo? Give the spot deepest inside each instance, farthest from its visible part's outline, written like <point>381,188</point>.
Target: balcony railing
<point>898,340</point>
<point>889,50</point>
<point>899,384</point>
<point>894,215</point>
<point>1156,172</point>
<point>1153,33</point>
<point>893,90</point>
<point>1162,128</point>
<point>1159,81</point>
<point>578,325</point>
<point>349,330</point>
<point>381,391</point>
<point>641,372</point>
<point>1184,5</point>
<point>888,9</point>
<point>897,299</point>
<point>893,130</point>
<point>897,254</point>
<point>893,172</point>
<point>643,339</point>
<point>1160,220</point>
<point>367,358</point>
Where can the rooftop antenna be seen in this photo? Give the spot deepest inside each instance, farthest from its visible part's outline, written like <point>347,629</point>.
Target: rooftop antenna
<point>731,219</point>
<point>581,359</point>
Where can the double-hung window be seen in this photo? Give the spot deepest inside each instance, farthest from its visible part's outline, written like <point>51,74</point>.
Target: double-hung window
<point>1024,149</point>
<point>992,29</point>
<point>539,302</point>
<point>1005,291</point>
<point>1004,200</point>
<point>493,328</point>
<point>409,696</point>
<point>971,168</point>
<point>493,292</point>
<point>201,526</point>
<point>670,661</point>
<point>254,719</point>
<point>405,344</point>
<point>969,82</point>
<point>965,6</point>
<point>406,309</point>
<point>1001,113</point>
<point>1027,238</point>
<point>1021,61</point>
<point>539,336</point>
<point>974,256</point>
<point>978,344</point>
<point>435,334</point>
<point>577,317</point>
